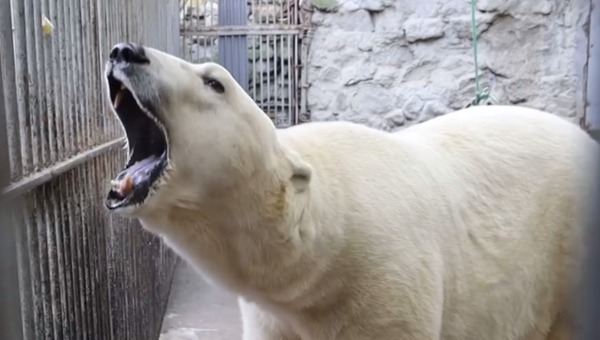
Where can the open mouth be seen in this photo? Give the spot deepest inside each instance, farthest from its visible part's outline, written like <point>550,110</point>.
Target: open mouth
<point>148,148</point>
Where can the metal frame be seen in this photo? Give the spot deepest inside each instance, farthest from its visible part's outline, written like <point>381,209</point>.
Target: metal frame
<point>68,269</point>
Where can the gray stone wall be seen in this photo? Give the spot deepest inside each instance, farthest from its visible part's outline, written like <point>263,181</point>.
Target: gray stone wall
<point>392,63</point>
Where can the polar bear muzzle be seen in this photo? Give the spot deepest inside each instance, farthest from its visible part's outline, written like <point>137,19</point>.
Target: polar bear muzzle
<point>146,135</point>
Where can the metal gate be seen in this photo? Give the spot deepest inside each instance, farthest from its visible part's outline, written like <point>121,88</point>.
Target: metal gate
<point>79,273</point>
<point>259,42</point>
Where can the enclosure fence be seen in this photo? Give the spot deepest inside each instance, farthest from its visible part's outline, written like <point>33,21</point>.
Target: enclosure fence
<point>260,42</point>
<point>81,273</point>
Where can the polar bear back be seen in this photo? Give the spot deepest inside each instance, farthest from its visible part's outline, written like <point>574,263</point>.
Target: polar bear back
<point>483,199</point>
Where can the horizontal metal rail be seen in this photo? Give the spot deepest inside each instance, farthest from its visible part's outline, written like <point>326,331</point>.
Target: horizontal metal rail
<point>243,30</point>
<point>34,180</point>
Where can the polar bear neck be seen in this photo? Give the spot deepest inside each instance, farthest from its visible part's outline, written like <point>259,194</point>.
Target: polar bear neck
<point>254,239</point>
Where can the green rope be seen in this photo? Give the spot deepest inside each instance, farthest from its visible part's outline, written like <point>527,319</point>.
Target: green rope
<point>480,95</point>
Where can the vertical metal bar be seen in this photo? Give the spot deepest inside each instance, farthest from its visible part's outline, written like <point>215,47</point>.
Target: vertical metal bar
<point>274,70</point>
<point>68,321</point>
<point>30,213</point>
<point>292,80</point>
<point>103,42</point>
<point>284,78</point>
<point>33,112</point>
<point>268,71</point>
<point>233,12</point>
<point>301,84</point>
<point>76,73</point>
<point>22,89</point>
<point>40,225</point>
<point>86,57</point>
<point>40,87</point>
<point>261,71</point>
<point>71,77</point>
<point>11,326</point>
<point>85,21</point>
<point>64,82</point>
<point>56,41</point>
<point>252,43</point>
<point>114,321</point>
<point>8,73</point>
<point>48,93</point>
<point>57,296</point>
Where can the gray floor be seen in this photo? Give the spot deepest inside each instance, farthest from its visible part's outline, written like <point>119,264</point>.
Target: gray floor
<point>199,311</point>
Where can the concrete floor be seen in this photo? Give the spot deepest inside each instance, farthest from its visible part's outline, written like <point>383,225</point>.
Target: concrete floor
<point>199,311</point>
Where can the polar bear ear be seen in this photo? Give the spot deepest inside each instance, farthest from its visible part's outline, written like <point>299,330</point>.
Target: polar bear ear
<point>301,172</point>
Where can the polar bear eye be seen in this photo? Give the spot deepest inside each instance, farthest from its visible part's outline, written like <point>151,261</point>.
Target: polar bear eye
<point>214,84</point>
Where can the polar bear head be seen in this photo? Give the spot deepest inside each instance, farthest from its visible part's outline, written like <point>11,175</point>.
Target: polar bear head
<point>192,131</point>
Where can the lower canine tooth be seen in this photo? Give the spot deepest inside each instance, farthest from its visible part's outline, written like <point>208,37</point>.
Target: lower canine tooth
<point>118,98</point>
<point>125,186</point>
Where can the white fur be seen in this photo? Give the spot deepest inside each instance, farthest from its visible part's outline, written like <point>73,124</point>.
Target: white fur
<point>465,227</point>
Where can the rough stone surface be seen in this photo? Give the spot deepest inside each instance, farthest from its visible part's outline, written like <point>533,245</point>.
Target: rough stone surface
<point>389,64</point>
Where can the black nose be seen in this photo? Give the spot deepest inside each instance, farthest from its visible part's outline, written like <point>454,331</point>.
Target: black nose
<point>129,53</point>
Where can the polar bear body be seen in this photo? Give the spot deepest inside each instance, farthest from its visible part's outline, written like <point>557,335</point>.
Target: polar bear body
<point>464,227</point>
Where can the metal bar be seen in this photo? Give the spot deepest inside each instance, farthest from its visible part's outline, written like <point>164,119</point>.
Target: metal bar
<point>243,30</point>
<point>56,41</point>
<point>56,170</point>
<point>233,47</point>
<point>11,326</point>
<point>10,106</point>
<point>306,39</point>
<point>39,89</point>
<point>21,76</point>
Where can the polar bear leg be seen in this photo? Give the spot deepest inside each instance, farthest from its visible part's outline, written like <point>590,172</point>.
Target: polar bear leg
<point>260,325</point>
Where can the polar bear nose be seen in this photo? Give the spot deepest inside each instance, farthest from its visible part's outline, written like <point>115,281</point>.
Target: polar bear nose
<point>129,53</point>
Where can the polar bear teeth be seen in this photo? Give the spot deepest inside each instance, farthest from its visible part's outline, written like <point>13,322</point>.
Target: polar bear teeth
<point>123,187</point>
<point>119,96</point>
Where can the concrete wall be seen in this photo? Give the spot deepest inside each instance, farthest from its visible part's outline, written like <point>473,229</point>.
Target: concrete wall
<point>391,63</point>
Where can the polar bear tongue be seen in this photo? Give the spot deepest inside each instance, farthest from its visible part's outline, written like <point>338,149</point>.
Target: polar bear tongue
<point>135,175</point>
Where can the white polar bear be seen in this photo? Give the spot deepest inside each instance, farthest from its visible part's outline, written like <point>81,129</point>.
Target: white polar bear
<point>465,227</point>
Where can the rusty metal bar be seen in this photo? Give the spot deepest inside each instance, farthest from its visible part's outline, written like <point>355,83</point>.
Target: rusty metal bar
<point>46,175</point>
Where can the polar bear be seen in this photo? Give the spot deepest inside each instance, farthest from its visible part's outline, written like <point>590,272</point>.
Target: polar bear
<point>465,227</point>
